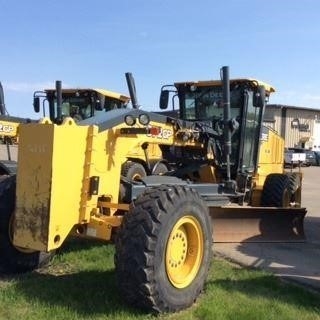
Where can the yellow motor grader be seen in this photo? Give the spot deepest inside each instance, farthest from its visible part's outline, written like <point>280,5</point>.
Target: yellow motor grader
<point>226,183</point>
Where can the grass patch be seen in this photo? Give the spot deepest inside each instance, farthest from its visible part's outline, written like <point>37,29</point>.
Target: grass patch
<point>80,284</point>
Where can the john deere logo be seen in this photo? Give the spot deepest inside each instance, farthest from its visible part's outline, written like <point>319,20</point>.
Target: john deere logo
<point>6,128</point>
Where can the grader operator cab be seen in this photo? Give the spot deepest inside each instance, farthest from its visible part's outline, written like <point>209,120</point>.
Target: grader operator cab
<point>80,104</point>
<point>161,225</point>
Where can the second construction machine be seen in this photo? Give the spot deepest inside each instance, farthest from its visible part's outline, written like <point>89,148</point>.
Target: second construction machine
<point>225,184</point>
<point>8,124</point>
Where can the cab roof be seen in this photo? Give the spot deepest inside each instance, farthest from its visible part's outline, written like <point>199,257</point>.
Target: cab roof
<point>206,83</point>
<point>106,93</point>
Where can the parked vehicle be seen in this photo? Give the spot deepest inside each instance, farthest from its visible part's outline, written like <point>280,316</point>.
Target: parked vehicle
<point>317,157</point>
<point>294,158</point>
<point>309,158</point>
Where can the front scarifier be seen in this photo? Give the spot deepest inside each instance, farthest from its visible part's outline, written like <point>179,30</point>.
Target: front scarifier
<point>163,249</point>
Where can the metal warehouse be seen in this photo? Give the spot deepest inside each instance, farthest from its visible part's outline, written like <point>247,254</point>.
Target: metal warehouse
<point>299,126</point>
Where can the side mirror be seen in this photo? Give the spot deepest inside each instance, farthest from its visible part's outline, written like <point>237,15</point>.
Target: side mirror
<point>36,104</point>
<point>259,97</point>
<point>164,99</point>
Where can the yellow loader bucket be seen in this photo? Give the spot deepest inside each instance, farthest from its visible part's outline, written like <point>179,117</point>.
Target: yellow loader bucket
<point>257,224</point>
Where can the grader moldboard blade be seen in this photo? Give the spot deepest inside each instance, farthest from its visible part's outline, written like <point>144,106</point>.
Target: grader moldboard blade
<point>257,224</point>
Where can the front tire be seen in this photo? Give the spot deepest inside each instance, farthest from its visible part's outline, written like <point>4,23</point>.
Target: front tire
<point>163,249</point>
<point>13,259</point>
<point>133,171</point>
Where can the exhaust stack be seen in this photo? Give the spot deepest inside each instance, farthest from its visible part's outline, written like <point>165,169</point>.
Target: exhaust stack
<point>226,118</point>
<point>132,90</point>
<point>59,99</point>
<point>2,105</point>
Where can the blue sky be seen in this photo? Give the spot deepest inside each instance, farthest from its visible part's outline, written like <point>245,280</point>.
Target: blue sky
<point>93,43</point>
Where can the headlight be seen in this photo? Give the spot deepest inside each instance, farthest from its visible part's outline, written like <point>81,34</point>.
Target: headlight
<point>129,120</point>
<point>144,119</point>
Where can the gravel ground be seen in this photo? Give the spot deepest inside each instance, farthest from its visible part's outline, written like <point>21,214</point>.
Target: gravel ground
<point>4,152</point>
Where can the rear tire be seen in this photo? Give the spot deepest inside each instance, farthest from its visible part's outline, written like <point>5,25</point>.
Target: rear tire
<point>163,249</point>
<point>160,169</point>
<point>13,259</point>
<point>281,190</point>
<point>295,188</point>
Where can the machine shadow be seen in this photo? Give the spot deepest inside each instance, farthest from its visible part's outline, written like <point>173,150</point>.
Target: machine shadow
<point>87,293</point>
<point>77,244</point>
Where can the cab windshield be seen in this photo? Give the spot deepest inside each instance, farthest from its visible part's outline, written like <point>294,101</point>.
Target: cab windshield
<point>82,105</point>
<point>79,108</point>
<point>205,103</point>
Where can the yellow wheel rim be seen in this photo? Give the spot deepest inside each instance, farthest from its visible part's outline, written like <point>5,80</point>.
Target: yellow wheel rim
<point>136,177</point>
<point>184,252</point>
